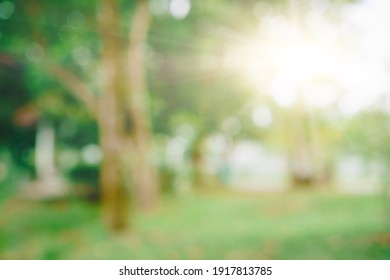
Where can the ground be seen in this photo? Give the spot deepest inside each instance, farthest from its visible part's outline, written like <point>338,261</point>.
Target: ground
<point>208,226</point>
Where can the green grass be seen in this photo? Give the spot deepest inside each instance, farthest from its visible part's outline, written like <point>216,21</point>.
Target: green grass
<point>214,226</point>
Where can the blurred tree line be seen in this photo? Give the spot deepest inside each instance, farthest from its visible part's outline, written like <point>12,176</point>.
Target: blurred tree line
<point>85,63</point>
<point>118,80</point>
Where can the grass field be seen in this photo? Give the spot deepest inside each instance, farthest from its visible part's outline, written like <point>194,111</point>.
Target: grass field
<point>214,226</point>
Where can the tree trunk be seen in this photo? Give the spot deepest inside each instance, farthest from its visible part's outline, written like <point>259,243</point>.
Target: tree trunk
<point>126,152</point>
<point>121,112</point>
<point>300,155</point>
<point>197,162</point>
<point>115,200</point>
<point>112,183</point>
<point>144,173</point>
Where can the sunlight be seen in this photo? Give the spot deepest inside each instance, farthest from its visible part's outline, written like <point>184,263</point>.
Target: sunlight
<point>316,62</point>
<point>302,63</point>
<point>286,63</point>
<point>287,68</point>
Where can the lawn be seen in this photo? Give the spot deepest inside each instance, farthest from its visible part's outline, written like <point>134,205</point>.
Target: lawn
<point>209,226</point>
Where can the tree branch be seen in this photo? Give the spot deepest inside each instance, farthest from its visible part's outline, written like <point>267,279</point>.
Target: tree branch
<point>76,86</point>
<point>137,97</point>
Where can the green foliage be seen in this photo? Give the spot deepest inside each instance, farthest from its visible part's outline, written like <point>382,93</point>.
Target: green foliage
<point>369,134</point>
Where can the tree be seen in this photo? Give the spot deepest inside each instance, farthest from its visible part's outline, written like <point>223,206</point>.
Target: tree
<point>116,99</point>
<point>193,87</point>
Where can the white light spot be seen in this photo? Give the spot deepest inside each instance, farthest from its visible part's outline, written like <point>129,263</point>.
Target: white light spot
<point>283,91</point>
<point>91,154</point>
<point>82,56</point>
<point>262,117</point>
<point>175,151</point>
<point>179,9</point>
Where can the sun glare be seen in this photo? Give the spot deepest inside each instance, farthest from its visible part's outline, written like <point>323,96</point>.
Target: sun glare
<point>287,69</point>
<point>316,63</point>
